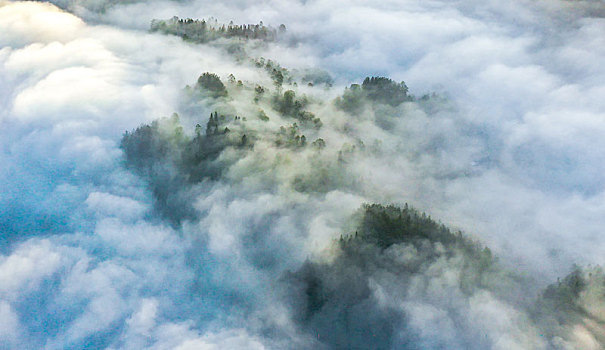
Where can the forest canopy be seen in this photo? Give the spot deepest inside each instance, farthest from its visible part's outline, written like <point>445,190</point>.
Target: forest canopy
<point>204,31</point>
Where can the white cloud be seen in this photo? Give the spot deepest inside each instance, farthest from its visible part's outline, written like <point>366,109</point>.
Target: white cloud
<point>28,21</point>
<point>27,266</point>
<point>107,204</point>
<point>516,162</point>
<point>9,325</point>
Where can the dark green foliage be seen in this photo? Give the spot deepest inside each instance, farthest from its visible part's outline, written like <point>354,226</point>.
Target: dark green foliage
<point>385,90</point>
<point>259,92</point>
<point>170,161</point>
<point>202,31</point>
<point>396,254</point>
<point>337,308</point>
<point>290,137</point>
<point>278,77</point>
<point>319,144</point>
<point>199,157</point>
<point>316,77</point>
<point>558,303</point>
<point>289,106</point>
<point>279,74</point>
<point>143,146</point>
<point>263,116</point>
<point>565,292</point>
<point>286,104</point>
<point>383,226</point>
<point>212,84</point>
<point>196,157</point>
<point>375,89</point>
<point>578,299</point>
<point>149,151</point>
<point>338,294</point>
<point>146,144</point>
<point>314,294</point>
<point>387,225</point>
<point>306,116</point>
<point>352,99</point>
<point>214,127</point>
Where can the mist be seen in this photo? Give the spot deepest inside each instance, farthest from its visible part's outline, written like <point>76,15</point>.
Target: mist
<point>402,175</point>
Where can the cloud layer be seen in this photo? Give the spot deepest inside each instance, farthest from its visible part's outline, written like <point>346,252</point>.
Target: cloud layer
<point>510,152</point>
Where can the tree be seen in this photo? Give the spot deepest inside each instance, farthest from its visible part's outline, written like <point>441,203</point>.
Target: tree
<point>385,90</point>
<point>211,83</point>
<point>278,78</point>
<point>352,100</point>
<point>212,125</point>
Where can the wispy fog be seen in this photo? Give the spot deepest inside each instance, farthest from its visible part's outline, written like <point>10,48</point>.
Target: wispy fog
<point>158,192</point>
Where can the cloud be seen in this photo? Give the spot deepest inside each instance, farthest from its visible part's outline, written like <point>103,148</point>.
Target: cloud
<point>27,266</point>
<point>33,22</point>
<point>509,153</point>
<point>9,325</point>
<point>109,205</point>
